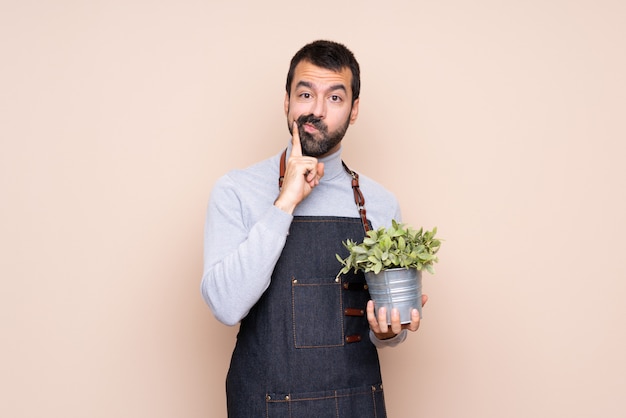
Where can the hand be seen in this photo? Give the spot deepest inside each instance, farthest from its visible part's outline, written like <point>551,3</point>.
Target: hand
<point>380,327</point>
<point>302,174</point>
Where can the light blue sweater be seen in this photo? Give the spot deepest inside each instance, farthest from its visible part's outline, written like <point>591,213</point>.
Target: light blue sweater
<point>245,233</point>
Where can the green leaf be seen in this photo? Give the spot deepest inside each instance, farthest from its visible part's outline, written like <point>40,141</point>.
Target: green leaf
<point>359,250</point>
<point>369,241</point>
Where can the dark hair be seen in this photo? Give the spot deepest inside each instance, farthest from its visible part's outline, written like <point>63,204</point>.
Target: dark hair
<point>331,56</point>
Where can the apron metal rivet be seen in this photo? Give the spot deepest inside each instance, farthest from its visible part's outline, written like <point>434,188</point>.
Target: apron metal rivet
<point>287,397</point>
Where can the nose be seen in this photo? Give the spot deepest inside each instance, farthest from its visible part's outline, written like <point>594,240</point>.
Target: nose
<point>319,108</point>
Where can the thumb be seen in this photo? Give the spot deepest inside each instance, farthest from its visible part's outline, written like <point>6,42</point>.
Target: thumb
<point>320,170</point>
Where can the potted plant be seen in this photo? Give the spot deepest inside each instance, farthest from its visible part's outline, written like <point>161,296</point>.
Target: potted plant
<point>392,260</point>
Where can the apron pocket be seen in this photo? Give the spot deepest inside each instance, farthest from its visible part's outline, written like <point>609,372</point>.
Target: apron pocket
<point>317,312</point>
<point>359,402</point>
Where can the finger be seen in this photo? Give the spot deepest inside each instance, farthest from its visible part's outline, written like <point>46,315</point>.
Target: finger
<point>296,147</point>
<point>396,326</point>
<point>382,319</point>
<point>371,317</point>
<point>314,176</point>
<point>415,320</point>
<point>424,299</point>
<point>320,170</point>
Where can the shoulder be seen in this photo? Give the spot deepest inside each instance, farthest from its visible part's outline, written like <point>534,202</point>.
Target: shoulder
<point>261,175</point>
<point>246,193</point>
<point>375,188</point>
<point>381,204</point>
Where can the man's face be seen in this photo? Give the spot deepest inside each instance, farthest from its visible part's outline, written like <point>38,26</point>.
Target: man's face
<point>321,102</point>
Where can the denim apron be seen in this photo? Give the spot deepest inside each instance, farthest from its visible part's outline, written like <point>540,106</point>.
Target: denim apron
<point>304,349</point>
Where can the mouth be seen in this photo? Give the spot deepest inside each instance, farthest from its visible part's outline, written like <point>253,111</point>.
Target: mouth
<point>310,128</point>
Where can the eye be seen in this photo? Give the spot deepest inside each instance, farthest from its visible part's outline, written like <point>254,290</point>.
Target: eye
<point>335,98</point>
<point>305,95</point>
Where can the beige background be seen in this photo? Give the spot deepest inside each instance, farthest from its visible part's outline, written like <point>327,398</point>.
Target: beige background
<point>501,122</point>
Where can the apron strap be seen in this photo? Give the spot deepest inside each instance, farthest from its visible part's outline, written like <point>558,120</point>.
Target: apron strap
<point>358,196</point>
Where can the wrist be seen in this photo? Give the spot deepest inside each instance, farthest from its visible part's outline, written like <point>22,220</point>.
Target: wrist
<point>284,206</point>
<point>386,335</point>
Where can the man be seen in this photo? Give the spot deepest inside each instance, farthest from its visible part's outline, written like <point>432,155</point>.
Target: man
<point>307,340</point>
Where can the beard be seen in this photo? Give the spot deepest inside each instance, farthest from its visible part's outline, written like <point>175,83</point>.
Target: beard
<point>321,142</point>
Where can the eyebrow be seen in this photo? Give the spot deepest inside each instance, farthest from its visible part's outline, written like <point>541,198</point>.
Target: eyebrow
<point>331,88</point>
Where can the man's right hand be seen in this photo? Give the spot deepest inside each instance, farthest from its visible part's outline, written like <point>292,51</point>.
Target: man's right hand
<point>302,174</point>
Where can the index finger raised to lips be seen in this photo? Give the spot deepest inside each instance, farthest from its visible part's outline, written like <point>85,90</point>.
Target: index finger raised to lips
<point>296,149</point>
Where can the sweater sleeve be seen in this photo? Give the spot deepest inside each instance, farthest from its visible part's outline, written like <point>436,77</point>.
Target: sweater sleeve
<point>391,342</point>
<point>239,257</point>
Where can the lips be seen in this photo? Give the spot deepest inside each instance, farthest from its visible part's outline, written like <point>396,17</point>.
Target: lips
<point>311,124</point>
<point>310,128</point>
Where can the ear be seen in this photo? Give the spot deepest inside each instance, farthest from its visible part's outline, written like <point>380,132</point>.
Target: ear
<point>355,111</point>
<point>286,104</point>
